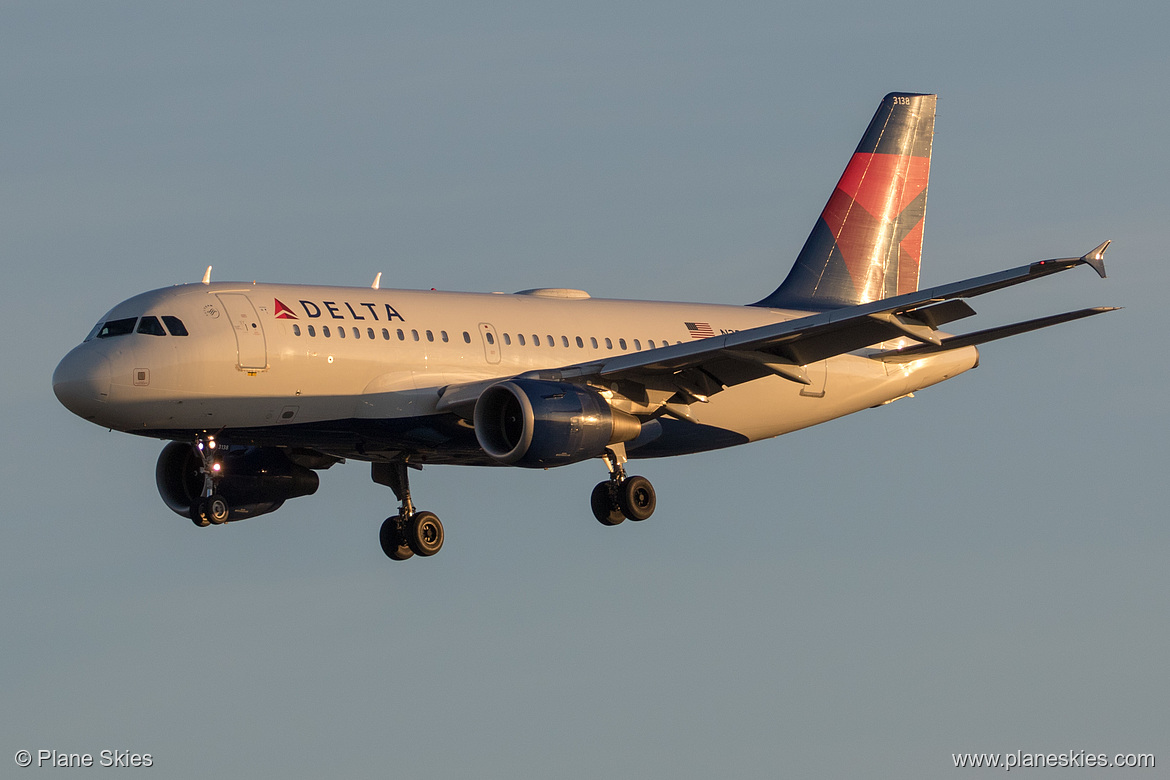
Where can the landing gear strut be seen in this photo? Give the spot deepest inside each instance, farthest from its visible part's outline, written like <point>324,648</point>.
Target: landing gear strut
<point>621,497</point>
<point>410,532</point>
<point>209,507</point>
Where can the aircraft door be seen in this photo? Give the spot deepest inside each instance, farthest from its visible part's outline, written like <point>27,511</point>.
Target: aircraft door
<point>491,342</point>
<point>250,345</point>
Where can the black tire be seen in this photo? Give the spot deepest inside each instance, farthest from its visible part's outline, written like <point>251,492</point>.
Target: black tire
<point>636,498</point>
<point>605,506</point>
<point>197,515</point>
<point>215,509</point>
<point>393,543</point>
<point>424,534</point>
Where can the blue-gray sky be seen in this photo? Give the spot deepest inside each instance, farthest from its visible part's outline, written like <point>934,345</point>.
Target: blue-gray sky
<point>981,568</point>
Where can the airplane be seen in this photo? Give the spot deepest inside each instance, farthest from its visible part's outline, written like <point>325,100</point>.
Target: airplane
<point>257,387</point>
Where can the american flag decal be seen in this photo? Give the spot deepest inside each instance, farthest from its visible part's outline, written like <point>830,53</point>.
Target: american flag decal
<point>700,330</point>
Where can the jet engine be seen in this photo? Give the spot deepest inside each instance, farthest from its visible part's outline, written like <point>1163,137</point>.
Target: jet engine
<point>536,423</point>
<point>255,481</point>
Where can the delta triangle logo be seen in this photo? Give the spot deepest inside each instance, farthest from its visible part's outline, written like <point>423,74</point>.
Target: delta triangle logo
<point>283,312</point>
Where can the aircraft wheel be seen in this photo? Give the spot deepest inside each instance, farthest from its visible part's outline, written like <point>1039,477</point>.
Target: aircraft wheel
<point>424,533</point>
<point>197,516</point>
<point>636,498</point>
<point>393,543</point>
<point>605,506</point>
<point>215,509</point>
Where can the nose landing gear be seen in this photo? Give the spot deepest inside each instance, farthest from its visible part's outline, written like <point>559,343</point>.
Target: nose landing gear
<point>209,507</point>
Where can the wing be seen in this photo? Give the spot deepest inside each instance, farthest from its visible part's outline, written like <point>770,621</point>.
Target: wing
<point>685,373</point>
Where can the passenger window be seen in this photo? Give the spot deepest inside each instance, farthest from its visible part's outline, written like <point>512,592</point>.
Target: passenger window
<point>551,343</point>
<point>622,343</point>
<point>414,334</point>
<point>520,337</point>
<point>385,335</point>
<point>651,343</point>
<point>608,343</point>
<point>340,332</point>
<point>507,340</point>
<point>580,343</point>
<point>312,331</point>
<point>443,336</point>
<point>535,340</point>
<point>174,325</point>
<point>466,337</point>
<point>117,328</point>
<point>151,327</point>
<point>593,342</point>
<point>637,344</point>
<point>401,335</point>
<point>430,336</point>
<point>370,332</point>
<point>490,338</point>
<point>565,341</point>
<point>357,334</point>
<point>325,331</point>
<point>296,329</point>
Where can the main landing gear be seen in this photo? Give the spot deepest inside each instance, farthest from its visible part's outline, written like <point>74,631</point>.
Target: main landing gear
<point>621,497</point>
<point>410,532</point>
<point>209,507</point>
<point>413,532</point>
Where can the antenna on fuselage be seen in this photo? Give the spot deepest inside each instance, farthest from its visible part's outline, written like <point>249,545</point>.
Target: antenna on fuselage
<point>207,275</point>
<point>377,281</point>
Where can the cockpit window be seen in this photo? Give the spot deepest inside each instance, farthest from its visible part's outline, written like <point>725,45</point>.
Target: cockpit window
<point>174,325</point>
<point>117,328</point>
<point>151,326</point>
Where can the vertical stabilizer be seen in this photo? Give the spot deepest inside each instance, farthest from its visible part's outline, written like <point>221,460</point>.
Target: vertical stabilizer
<point>867,243</point>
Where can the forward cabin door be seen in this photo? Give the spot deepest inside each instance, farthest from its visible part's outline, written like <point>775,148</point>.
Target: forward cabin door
<point>250,345</point>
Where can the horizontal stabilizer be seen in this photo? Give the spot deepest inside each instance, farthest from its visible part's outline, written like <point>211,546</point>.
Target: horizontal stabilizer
<point>983,336</point>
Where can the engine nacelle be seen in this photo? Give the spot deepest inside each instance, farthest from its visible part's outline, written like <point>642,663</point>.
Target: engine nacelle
<point>537,424</point>
<point>256,481</point>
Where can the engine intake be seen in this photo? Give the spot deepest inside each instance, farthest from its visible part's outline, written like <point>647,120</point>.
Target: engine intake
<point>256,481</point>
<point>536,423</point>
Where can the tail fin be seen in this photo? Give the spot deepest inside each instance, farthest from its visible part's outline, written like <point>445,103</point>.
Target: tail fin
<point>867,244</point>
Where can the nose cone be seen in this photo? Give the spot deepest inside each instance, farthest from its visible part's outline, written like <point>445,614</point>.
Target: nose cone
<point>82,382</point>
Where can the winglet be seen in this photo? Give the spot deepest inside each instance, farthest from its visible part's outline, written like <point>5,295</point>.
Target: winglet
<point>207,275</point>
<point>1096,259</point>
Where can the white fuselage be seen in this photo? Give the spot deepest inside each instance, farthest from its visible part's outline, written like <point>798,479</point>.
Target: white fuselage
<point>261,358</point>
